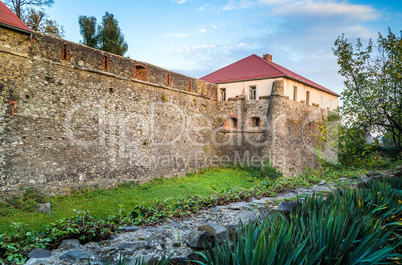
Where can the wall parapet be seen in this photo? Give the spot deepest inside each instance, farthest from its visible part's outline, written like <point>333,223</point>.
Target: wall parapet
<point>81,57</point>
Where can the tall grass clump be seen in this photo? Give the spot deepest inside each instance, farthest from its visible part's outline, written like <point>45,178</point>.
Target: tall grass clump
<point>354,226</point>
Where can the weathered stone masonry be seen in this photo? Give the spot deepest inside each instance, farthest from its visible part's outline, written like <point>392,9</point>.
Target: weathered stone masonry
<point>73,116</point>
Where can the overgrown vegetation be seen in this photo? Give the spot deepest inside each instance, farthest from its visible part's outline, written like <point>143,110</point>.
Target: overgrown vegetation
<point>373,82</point>
<point>92,215</point>
<point>36,19</point>
<point>355,226</point>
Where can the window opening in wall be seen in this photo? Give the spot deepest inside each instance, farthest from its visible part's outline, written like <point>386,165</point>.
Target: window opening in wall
<point>168,80</point>
<point>223,94</point>
<point>233,123</point>
<point>330,105</point>
<point>13,105</point>
<point>253,92</point>
<point>141,72</point>
<point>321,102</point>
<point>294,93</point>
<point>307,97</point>
<point>255,122</point>
<point>190,85</point>
<point>65,54</point>
<point>105,63</point>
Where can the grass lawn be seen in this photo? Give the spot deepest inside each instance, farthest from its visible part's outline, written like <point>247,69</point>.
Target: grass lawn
<point>102,203</point>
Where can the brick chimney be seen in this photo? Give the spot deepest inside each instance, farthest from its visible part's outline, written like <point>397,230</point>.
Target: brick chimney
<point>267,57</point>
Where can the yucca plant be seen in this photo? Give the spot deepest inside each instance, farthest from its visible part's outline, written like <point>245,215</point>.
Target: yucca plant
<point>356,226</point>
<point>260,244</point>
<point>342,238</point>
<point>140,261</point>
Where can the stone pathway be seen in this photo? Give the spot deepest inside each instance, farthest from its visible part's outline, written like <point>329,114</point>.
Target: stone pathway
<point>175,237</point>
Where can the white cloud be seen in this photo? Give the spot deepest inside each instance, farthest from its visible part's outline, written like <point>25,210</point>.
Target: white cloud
<point>327,8</point>
<point>202,31</point>
<point>181,1</point>
<point>234,4</point>
<point>359,30</point>
<point>176,35</point>
<point>206,8</point>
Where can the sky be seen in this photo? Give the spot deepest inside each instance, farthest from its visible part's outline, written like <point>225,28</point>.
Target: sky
<point>197,37</point>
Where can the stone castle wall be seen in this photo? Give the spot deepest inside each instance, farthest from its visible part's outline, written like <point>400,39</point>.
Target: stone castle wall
<point>286,134</point>
<point>72,116</point>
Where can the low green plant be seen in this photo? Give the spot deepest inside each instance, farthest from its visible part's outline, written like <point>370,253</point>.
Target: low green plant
<point>355,226</point>
<point>101,212</point>
<point>263,172</point>
<point>28,201</point>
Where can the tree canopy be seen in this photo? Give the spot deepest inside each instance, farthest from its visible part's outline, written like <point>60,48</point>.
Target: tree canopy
<point>107,36</point>
<point>372,99</point>
<point>88,31</point>
<point>36,19</point>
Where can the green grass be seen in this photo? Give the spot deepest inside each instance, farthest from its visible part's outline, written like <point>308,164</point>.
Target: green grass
<point>102,203</point>
<point>93,214</point>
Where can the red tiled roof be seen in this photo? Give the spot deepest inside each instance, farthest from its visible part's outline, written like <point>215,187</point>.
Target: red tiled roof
<point>255,67</point>
<point>7,17</point>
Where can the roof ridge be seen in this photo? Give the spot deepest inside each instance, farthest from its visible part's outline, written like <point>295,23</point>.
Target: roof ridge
<point>227,66</point>
<point>268,63</point>
<point>9,19</point>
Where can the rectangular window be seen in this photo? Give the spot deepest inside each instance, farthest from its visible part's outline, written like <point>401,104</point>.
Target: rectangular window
<point>294,93</point>
<point>322,102</point>
<point>223,94</point>
<point>255,122</point>
<point>233,123</point>
<point>330,105</point>
<point>307,97</point>
<point>253,93</point>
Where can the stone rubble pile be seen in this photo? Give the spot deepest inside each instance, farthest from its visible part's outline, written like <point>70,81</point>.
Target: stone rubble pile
<point>181,239</point>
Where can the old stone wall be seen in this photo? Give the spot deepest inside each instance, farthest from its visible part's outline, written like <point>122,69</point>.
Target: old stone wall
<point>279,130</point>
<point>67,120</point>
<point>72,116</point>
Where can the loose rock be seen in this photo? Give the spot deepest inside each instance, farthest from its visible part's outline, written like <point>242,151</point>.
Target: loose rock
<point>77,255</point>
<point>38,253</point>
<point>44,208</point>
<point>68,244</point>
<point>285,206</point>
<point>129,228</point>
<point>214,230</point>
<point>201,240</point>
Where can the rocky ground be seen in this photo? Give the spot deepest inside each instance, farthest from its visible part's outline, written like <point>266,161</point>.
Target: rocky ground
<point>181,239</point>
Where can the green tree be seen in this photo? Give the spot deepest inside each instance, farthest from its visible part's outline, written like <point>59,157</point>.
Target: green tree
<point>19,6</point>
<point>372,98</point>
<point>88,31</point>
<point>110,37</point>
<point>37,20</point>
